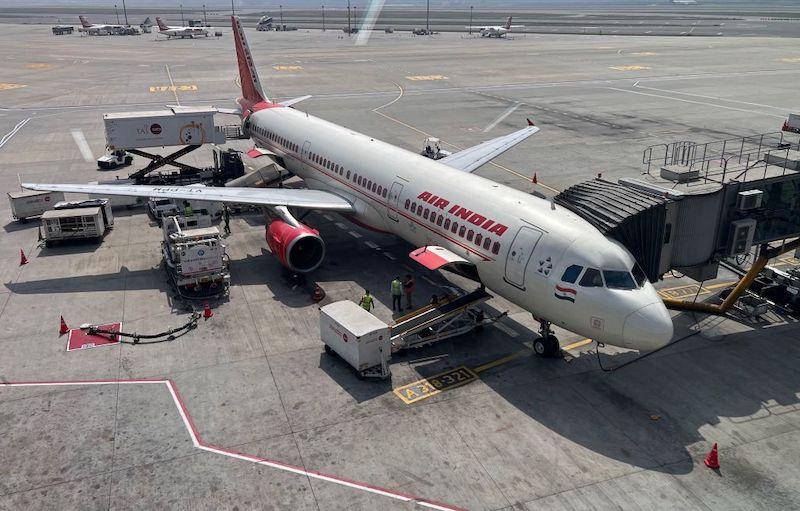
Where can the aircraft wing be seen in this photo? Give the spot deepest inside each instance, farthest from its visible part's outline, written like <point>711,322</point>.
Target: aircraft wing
<point>300,198</point>
<point>473,157</point>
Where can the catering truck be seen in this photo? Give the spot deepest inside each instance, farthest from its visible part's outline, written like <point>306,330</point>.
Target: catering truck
<point>29,203</point>
<point>176,126</point>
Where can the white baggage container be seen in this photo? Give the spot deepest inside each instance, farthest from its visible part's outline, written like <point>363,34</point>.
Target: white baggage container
<point>358,337</point>
<point>176,126</point>
<point>71,224</point>
<point>119,201</point>
<point>32,203</point>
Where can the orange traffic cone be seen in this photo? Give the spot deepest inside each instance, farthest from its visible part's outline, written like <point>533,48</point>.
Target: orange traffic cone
<point>22,258</point>
<point>712,460</point>
<point>63,329</point>
<point>207,312</point>
<point>533,179</point>
<point>318,293</point>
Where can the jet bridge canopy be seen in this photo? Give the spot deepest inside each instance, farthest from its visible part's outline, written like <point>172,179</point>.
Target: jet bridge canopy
<point>634,218</point>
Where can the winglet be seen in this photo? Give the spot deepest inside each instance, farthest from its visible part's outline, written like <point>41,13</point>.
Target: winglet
<point>530,122</point>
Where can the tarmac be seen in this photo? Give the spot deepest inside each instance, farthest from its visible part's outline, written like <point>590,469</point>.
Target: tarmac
<point>248,412</point>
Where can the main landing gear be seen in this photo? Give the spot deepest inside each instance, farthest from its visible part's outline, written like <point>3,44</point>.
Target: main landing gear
<point>547,343</point>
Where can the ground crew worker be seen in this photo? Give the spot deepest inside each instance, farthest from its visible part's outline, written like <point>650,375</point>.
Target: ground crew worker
<point>397,294</point>
<point>408,288</point>
<point>226,217</point>
<point>187,209</point>
<point>366,301</point>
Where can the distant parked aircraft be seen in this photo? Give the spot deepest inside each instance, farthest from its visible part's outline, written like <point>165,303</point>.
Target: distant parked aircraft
<point>498,30</point>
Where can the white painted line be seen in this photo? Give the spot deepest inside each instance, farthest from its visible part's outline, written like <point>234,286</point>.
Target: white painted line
<point>781,108</point>
<point>354,234</point>
<point>327,217</point>
<point>506,113</point>
<point>198,442</point>
<point>429,281</point>
<point>695,102</point>
<point>371,245</point>
<point>172,85</point>
<point>83,145</point>
<point>340,225</point>
<point>8,136</point>
<point>390,256</point>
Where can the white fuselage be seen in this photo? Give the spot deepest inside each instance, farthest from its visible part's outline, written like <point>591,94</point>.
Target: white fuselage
<point>520,244</point>
<point>184,31</point>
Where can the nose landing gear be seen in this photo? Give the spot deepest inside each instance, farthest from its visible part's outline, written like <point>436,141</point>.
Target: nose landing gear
<point>547,343</point>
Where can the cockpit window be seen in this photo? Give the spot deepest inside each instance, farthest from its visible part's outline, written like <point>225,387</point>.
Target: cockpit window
<point>618,280</point>
<point>571,274</point>
<point>592,278</point>
<point>639,275</point>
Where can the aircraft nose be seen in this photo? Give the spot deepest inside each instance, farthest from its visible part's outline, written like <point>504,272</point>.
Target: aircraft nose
<point>648,328</point>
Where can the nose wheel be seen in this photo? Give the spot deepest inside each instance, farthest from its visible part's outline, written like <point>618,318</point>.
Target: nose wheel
<point>547,344</point>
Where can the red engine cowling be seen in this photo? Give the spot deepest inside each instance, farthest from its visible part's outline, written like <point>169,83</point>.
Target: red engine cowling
<point>300,249</point>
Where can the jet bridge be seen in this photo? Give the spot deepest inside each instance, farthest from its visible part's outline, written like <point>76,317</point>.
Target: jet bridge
<point>696,205</point>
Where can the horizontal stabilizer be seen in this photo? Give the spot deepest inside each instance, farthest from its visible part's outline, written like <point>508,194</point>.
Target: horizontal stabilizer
<point>290,102</point>
<point>257,152</point>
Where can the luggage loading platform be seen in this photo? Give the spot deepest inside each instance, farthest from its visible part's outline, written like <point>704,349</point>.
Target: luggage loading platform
<point>450,317</point>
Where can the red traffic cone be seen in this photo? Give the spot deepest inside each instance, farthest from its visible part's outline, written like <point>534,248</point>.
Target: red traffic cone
<point>318,293</point>
<point>534,180</point>
<point>63,329</point>
<point>22,258</point>
<point>207,312</point>
<point>712,460</point>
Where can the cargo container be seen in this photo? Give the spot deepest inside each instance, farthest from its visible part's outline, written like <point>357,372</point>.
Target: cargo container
<point>358,337</point>
<point>177,126</point>
<point>77,220</point>
<point>31,203</point>
<point>119,201</point>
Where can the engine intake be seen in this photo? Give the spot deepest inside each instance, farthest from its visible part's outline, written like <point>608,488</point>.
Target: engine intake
<point>300,249</point>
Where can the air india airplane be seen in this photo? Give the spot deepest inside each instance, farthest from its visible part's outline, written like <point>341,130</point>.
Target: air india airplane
<point>181,32</point>
<point>541,257</point>
<point>498,30</point>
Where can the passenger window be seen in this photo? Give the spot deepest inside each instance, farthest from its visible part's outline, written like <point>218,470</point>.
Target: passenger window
<point>478,239</point>
<point>348,175</point>
<point>496,247</point>
<point>426,213</point>
<point>380,189</point>
<point>374,187</point>
<point>618,279</point>
<point>454,229</point>
<point>638,275</point>
<point>413,207</point>
<point>592,278</point>
<point>462,231</point>
<point>439,220</point>
<point>487,243</point>
<point>470,234</point>
<point>571,273</point>
<point>408,202</point>
<point>384,193</point>
<point>419,210</point>
<point>447,223</point>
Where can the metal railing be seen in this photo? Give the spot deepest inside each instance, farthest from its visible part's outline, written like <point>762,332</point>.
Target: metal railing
<point>741,149</point>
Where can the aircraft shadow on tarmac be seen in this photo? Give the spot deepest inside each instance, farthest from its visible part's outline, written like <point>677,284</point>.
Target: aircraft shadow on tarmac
<point>648,414</point>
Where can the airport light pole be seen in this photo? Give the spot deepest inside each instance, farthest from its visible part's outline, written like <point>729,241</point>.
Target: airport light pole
<point>125,12</point>
<point>183,23</point>
<point>428,16</point>
<point>470,20</point>
<point>348,18</point>
<point>281,8</point>
<point>117,13</point>
<point>355,16</point>
<point>323,18</point>
<point>233,10</point>
<point>205,20</point>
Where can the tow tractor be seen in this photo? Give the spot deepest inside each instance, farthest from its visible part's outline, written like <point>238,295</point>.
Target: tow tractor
<point>114,159</point>
<point>433,149</point>
<point>367,343</point>
<point>195,258</point>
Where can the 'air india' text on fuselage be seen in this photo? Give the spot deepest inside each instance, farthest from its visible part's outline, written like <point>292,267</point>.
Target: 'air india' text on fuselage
<point>465,214</point>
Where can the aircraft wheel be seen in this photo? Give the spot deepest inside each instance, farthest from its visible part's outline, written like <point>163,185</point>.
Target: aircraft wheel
<point>546,347</point>
<point>328,350</point>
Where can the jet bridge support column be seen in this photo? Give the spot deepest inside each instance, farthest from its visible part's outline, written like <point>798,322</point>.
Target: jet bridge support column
<point>765,254</point>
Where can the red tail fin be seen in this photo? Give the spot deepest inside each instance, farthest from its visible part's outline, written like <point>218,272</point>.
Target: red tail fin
<point>84,23</point>
<point>161,25</point>
<point>251,85</point>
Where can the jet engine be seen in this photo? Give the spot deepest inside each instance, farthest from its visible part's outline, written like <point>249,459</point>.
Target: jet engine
<point>299,248</point>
